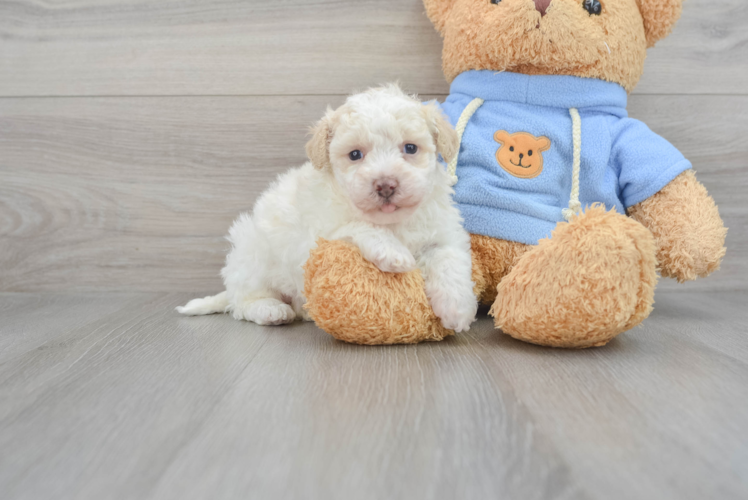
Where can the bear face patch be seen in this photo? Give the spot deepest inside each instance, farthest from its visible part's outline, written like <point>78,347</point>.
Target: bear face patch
<point>521,154</point>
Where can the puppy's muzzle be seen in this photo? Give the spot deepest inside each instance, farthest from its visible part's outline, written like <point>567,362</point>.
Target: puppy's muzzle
<point>386,188</point>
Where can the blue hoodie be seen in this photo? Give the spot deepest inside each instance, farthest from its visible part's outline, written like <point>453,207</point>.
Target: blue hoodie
<point>622,161</point>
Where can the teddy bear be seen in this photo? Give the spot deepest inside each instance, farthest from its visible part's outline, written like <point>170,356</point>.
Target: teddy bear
<point>573,207</point>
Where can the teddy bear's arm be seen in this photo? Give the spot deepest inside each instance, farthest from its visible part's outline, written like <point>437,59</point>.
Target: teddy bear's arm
<point>685,222</point>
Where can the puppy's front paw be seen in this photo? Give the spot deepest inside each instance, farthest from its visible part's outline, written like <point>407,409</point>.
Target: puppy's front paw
<point>391,259</point>
<point>456,313</point>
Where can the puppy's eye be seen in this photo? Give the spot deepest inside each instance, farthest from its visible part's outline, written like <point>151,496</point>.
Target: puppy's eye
<point>511,148</point>
<point>495,1</point>
<point>355,155</point>
<point>529,153</point>
<point>592,6</point>
<point>410,149</point>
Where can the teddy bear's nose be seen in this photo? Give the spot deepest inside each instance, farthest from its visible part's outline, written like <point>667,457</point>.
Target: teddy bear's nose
<point>542,5</point>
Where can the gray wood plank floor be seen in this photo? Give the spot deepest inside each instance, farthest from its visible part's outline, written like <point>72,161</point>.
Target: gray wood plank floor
<point>116,396</point>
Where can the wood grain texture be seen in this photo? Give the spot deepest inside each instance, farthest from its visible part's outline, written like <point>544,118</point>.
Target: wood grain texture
<point>151,183</point>
<point>137,193</point>
<point>143,403</point>
<point>633,418</point>
<point>111,394</point>
<point>258,47</point>
<point>51,314</point>
<point>110,404</point>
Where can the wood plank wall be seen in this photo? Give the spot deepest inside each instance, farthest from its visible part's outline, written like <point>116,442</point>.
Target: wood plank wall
<point>133,132</point>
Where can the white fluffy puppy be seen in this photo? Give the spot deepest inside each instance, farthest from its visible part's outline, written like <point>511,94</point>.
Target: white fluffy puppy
<point>374,180</point>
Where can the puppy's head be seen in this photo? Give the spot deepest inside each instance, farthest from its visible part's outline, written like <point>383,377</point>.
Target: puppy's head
<point>381,146</point>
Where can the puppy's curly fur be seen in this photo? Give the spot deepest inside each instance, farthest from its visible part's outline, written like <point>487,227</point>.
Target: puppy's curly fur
<point>374,180</point>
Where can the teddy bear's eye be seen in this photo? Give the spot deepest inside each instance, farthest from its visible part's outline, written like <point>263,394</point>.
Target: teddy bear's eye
<point>495,1</point>
<point>511,148</point>
<point>529,153</point>
<point>593,7</point>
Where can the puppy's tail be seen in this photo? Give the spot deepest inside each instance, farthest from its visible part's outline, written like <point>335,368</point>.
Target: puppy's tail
<point>207,305</point>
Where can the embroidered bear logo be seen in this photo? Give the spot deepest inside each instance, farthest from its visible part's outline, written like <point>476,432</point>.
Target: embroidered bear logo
<point>521,154</point>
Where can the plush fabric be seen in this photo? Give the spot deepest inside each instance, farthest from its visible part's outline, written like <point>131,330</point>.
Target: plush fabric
<point>623,162</point>
<point>587,280</point>
<point>687,227</point>
<point>503,37</point>
<point>593,279</point>
<point>492,260</point>
<point>658,17</point>
<point>354,301</point>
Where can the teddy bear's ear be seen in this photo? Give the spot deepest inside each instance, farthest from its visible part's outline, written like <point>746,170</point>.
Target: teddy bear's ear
<point>501,136</point>
<point>543,143</point>
<point>659,18</point>
<point>445,137</point>
<point>438,12</point>
<point>318,147</point>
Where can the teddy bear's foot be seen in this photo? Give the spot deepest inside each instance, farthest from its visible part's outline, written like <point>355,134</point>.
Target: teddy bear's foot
<point>492,260</point>
<point>593,279</point>
<point>352,300</point>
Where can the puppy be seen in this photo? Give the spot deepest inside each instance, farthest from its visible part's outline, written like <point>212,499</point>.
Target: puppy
<point>374,179</point>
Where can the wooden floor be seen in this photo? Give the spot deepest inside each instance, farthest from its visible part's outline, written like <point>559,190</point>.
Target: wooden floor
<point>116,396</point>
<point>132,133</point>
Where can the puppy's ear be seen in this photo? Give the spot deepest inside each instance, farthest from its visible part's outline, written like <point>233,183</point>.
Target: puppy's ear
<point>438,12</point>
<point>446,139</point>
<point>659,18</point>
<point>318,147</point>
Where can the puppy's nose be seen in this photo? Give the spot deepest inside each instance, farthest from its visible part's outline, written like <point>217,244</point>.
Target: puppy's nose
<point>542,5</point>
<point>385,187</point>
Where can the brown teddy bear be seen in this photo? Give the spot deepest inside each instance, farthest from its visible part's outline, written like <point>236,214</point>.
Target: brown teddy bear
<point>572,206</point>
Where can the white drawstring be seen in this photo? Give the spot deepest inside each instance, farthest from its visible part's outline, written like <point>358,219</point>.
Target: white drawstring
<point>576,121</point>
<point>574,205</point>
<point>467,113</point>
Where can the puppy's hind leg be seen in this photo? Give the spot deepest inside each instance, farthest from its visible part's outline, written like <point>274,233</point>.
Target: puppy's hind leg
<point>248,277</point>
<point>264,311</point>
<point>298,306</point>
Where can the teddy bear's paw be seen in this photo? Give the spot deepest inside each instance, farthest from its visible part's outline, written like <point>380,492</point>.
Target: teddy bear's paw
<point>390,258</point>
<point>593,279</point>
<point>455,312</point>
<point>687,227</point>
<point>352,300</point>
